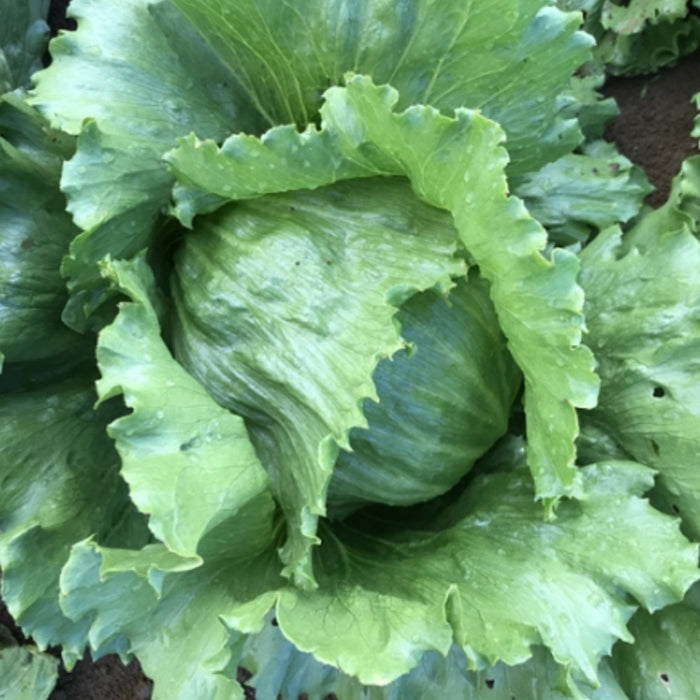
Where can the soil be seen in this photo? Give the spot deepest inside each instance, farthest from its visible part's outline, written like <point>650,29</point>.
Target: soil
<point>656,118</point>
<point>652,130</point>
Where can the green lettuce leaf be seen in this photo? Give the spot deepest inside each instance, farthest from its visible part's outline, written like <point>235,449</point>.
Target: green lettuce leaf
<point>498,581</point>
<point>648,353</point>
<point>589,107</point>
<point>583,193</point>
<point>36,232</point>
<point>292,314</point>
<point>659,664</point>
<point>122,71</point>
<point>25,672</point>
<point>279,670</point>
<point>171,617</point>
<point>177,441</point>
<point>284,57</point>
<point>60,477</point>
<point>24,36</point>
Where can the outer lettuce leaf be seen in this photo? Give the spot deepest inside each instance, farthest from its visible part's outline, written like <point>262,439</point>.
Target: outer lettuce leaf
<point>44,516</point>
<point>177,442</point>
<point>681,210</point>
<point>60,484</point>
<point>632,18</point>
<point>453,164</point>
<point>581,194</point>
<point>171,618</point>
<point>588,106</point>
<point>648,353</point>
<point>142,77</point>
<point>25,673</point>
<point>281,671</point>
<point>36,232</point>
<point>24,36</point>
<point>447,54</point>
<point>660,663</point>
<point>498,581</point>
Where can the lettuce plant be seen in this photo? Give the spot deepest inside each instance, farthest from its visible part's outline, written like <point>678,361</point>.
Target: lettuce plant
<point>294,382</point>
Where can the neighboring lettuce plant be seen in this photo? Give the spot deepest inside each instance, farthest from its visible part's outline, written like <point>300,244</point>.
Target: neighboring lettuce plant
<point>638,36</point>
<point>293,382</point>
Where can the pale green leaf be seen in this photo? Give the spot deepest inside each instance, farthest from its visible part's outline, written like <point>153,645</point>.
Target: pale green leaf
<point>171,618</point>
<point>498,581</point>
<point>177,442</point>
<point>648,352</point>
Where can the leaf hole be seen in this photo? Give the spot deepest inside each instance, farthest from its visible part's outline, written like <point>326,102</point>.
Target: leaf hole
<point>664,677</point>
<point>274,622</point>
<point>659,392</point>
<point>490,682</point>
<point>676,509</point>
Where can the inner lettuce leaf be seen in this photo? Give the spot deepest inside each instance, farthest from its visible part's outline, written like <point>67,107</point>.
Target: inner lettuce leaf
<point>442,403</point>
<point>453,164</point>
<point>292,312</point>
<point>138,74</point>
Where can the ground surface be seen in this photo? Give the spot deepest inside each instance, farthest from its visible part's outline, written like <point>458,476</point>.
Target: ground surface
<point>653,130</point>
